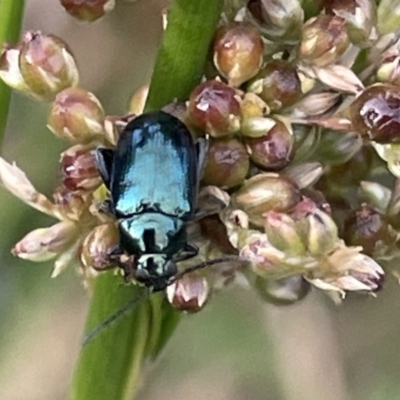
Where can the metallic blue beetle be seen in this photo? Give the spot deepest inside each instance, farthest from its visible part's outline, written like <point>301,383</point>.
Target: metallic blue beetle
<point>153,177</point>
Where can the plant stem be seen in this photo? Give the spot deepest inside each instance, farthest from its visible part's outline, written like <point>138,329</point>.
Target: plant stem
<point>11,13</point>
<point>109,367</point>
<point>182,55</point>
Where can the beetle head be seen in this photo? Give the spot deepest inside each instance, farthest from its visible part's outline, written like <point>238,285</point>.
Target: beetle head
<point>155,271</point>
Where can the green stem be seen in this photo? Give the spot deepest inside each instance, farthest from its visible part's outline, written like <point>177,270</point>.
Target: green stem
<point>11,13</point>
<point>182,55</point>
<point>108,368</point>
<point>106,365</point>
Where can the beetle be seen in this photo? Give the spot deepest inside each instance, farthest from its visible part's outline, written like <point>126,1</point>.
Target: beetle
<point>153,178</point>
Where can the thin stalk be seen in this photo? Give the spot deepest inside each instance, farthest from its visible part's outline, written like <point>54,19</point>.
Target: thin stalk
<point>11,13</point>
<point>109,367</point>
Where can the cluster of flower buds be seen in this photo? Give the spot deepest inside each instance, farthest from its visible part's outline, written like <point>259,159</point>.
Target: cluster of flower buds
<point>43,67</point>
<point>302,113</point>
<point>299,104</point>
<point>39,65</point>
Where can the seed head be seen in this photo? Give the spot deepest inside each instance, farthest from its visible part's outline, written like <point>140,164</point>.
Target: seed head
<point>274,150</point>
<point>46,65</point>
<point>238,52</point>
<point>190,293</point>
<point>266,192</point>
<point>78,169</point>
<point>278,84</point>
<point>76,115</point>
<point>278,20</point>
<point>375,114</point>
<point>215,108</point>
<point>98,246</point>
<point>324,40</point>
<point>227,163</point>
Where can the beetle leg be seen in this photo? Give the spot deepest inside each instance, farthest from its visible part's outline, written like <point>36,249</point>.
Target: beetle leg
<point>201,148</point>
<point>107,207</point>
<point>104,159</point>
<point>127,263</point>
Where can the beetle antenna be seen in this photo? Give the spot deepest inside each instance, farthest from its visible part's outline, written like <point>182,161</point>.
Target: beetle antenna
<point>114,317</point>
<point>204,264</point>
<point>142,294</point>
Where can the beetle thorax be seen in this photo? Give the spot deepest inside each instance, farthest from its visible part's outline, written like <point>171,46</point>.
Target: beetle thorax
<point>152,233</point>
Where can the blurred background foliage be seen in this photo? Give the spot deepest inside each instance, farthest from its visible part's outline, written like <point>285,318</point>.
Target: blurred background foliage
<point>238,347</point>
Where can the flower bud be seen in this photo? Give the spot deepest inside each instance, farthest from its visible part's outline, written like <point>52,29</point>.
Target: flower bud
<point>375,113</point>
<point>281,231</point>
<point>324,40</point>
<point>256,127</point>
<point>359,272</point>
<point>97,247</point>
<point>45,243</point>
<point>389,67</point>
<point>321,232</point>
<point>10,72</point>
<point>284,291</point>
<point>227,163</point>
<point>78,169</point>
<point>367,228</point>
<point>47,65</point>
<point>265,259</point>
<point>266,192</point>
<point>238,52</point>
<point>253,106</point>
<point>189,293</point>
<point>87,10</point>
<point>215,108</point>
<point>360,16</point>
<point>273,151</point>
<point>278,84</point>
<point>278,20</point>
<point>76,115</point>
